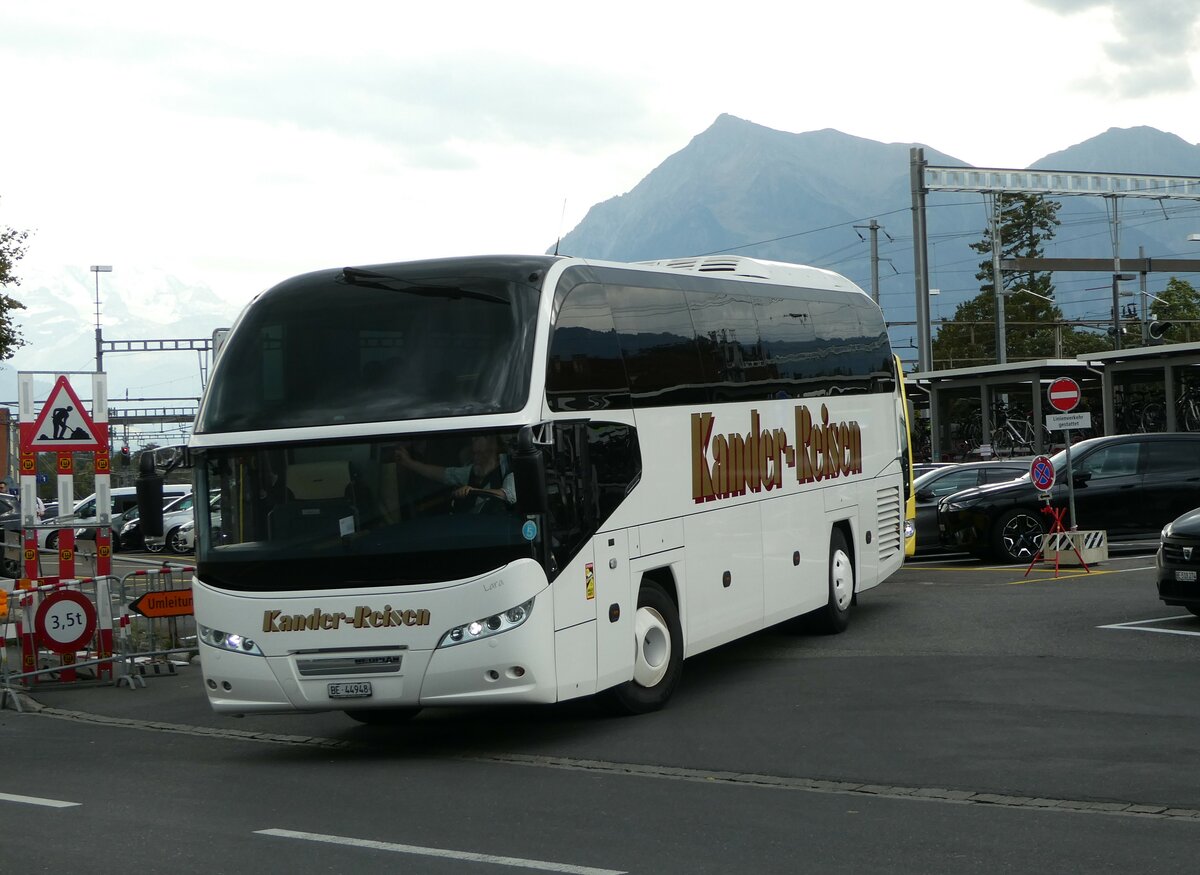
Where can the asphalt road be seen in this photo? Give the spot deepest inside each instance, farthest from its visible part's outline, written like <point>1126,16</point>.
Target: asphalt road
<point>970,720</point>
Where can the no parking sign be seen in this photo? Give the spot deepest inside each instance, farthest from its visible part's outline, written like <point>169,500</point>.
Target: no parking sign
<point>1041,472</point>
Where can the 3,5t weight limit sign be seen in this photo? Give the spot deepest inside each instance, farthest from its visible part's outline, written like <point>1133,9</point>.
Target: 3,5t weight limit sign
<point>65,621</point>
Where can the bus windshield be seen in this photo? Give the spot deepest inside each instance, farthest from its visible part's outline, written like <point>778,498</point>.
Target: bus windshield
<point>378,345</point>
<point>429,507</point>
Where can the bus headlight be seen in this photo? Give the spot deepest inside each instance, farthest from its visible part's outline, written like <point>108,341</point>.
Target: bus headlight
<point>230,641</point>
<point>910,528</point>
<point>488,626</point>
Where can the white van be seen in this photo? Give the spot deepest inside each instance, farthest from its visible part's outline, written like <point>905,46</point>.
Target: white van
<point>84,517</point>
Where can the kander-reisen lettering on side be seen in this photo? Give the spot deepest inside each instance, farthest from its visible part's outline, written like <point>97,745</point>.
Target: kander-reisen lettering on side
<point>727,465</point>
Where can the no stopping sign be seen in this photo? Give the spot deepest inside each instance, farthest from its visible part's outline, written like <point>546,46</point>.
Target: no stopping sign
<point>65,621</point>
<point>1041,472</point>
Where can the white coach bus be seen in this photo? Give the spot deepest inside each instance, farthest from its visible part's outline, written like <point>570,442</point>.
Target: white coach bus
<point>532,478</point>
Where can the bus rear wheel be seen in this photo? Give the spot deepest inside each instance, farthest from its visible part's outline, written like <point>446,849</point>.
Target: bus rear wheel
<point>383,716</point>
<point>658,654</point>
<point>835,616</point>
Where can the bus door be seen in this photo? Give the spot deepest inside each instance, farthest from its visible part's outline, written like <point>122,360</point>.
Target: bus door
<point>616,605</point>
<point>590,570</point>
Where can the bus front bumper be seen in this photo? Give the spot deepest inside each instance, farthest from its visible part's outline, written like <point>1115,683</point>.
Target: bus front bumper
<point>515,666</point>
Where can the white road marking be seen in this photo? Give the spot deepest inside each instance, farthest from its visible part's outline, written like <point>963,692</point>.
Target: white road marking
<point>438,852</point>
<point>1142,626</point>
<point>35,800</point>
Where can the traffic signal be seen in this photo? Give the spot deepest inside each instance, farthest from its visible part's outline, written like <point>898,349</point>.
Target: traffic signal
<point>1158,328</point>
<point>125,456</point>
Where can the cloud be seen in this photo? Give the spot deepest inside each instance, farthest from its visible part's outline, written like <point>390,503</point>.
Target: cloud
<point>1156,38</point>
<point>425,105</point>
<point>435,109</point>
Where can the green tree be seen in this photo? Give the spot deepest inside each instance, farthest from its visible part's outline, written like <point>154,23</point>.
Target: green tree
<point>12,250</point>
<point>1178,304</point>
<point>969,339</point>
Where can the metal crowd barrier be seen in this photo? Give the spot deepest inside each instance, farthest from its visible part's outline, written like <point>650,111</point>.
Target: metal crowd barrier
<point>63,634</point>
<point>154,622</point>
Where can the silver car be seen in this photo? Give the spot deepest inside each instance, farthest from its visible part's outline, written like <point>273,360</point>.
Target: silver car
<point>182,512</point>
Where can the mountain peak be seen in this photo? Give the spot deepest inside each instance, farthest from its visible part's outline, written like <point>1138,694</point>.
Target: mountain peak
<point>1140,149</point>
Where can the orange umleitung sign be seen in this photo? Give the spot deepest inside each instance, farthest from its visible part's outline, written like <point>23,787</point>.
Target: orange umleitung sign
<point>168,603</point>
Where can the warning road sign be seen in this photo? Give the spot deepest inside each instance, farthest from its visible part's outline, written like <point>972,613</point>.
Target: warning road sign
<point>63,424</point>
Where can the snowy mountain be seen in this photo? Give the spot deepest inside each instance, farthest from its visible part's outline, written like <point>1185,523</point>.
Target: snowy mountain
<point>59,326</point>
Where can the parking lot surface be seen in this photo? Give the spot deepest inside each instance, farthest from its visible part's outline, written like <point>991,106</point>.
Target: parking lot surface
<point>973,718</point>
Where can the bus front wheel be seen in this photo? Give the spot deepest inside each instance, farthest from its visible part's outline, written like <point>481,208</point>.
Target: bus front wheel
<point>657,657</point>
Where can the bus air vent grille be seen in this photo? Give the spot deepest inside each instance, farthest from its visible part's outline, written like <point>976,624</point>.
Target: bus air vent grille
<point>889,518</point>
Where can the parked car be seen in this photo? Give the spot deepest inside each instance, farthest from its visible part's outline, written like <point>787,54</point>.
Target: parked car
<point>130,537</point>
<point>124,499</point>
<point>936,484</point>
<point>920,468</point>
<point>1178,562</point>
<point>182,512</point>
<point>1129,485</point>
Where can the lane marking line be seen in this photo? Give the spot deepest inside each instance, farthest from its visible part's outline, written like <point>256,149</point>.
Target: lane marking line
<point>37,800</point>
<point>437,852</point>
<point>1141,626</point>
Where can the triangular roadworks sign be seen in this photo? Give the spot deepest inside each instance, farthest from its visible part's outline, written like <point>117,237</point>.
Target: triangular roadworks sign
<point>63,424</point>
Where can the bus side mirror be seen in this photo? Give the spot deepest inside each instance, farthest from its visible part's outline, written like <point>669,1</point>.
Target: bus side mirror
<point>529,474</point>
<point>150,496</point>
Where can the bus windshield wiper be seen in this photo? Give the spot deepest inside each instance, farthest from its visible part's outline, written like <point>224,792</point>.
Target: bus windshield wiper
<point>357,276</point>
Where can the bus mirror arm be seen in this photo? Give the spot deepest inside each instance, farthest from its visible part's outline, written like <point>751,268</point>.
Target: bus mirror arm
<point>529,474</point>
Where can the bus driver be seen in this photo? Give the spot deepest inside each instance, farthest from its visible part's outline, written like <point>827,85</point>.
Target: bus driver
<point>484,486</point>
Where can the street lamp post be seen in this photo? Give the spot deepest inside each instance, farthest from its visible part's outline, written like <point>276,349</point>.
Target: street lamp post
<point>1116,295</point>
<point>98,269</point>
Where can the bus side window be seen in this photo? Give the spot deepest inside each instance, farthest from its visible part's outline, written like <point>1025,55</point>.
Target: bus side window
<point>584,370</point>
<point>731,350</point>
<point>659,346</point>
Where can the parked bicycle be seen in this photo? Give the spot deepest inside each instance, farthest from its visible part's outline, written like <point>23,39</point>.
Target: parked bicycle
<point>1136,412</point>
<point>965,437</point>
<point>1015,433</point>
<point>922,444</point>
<point>1187,411</point>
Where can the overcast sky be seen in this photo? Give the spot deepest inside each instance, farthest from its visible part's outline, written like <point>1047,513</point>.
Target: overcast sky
<point>236,144</point>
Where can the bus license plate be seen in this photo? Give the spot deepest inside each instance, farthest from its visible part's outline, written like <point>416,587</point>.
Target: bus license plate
<point>1185,576</point>
<point>350,690</point>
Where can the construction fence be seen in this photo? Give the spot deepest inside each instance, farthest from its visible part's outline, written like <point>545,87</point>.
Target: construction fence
<point>102,630</point>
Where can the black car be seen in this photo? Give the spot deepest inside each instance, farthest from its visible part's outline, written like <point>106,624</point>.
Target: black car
<point>1129,485</point>
<point>939,482</point>
<point>1178,562</point>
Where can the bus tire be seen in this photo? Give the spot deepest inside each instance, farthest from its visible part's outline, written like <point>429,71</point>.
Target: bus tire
<point>383,716</point>
<point>658,654</point>
<point>835,616</point>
